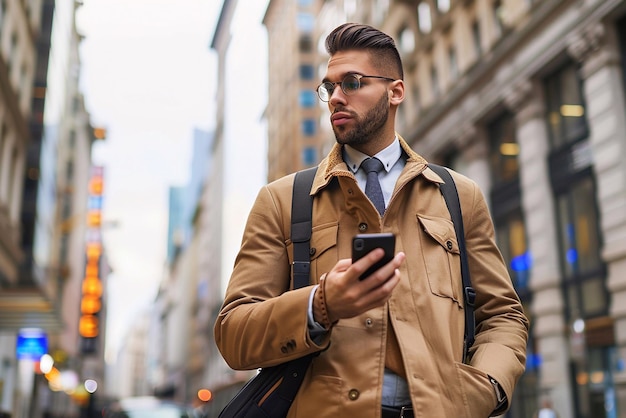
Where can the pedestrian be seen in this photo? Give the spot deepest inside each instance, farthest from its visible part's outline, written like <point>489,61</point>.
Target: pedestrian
<point>546,410</point>
<point>393,341</point>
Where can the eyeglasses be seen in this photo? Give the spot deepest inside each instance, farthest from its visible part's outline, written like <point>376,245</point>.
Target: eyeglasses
<point>350,84</point>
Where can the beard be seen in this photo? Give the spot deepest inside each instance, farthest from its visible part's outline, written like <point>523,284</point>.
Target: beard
<point>367,127</point>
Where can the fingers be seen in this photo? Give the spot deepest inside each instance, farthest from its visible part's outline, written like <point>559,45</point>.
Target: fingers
<point>347,296</point>
<point>379,276</point>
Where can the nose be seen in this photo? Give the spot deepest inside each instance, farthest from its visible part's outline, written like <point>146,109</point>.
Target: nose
<point>337,96</point>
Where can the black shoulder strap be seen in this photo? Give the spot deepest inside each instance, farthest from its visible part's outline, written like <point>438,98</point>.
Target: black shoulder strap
<point>301,226</point>
<point>451,196</point>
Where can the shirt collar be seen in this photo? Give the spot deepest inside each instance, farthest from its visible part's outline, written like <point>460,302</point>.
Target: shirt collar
<point>388,156</point>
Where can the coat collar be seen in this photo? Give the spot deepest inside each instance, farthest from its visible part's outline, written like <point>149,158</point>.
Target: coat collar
<point>334,166</point>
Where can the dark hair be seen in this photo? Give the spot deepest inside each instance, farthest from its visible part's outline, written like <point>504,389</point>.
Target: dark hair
<point>381,46</point>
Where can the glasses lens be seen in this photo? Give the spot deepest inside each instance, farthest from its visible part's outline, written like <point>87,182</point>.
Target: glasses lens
<point>325,90</point>
<point>350,84</point>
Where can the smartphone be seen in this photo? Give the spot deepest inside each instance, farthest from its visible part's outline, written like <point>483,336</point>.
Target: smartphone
<point>364,243</point>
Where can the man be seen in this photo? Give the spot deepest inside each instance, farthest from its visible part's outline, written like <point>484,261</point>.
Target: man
<point>390,345</point>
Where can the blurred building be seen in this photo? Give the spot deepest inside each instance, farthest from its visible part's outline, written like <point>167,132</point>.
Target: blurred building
<point>293,112</point>
<point>132,375</point>
<point>50,211</point>
<point>527,98</point>
<point>24,38</point>
<point>180,334</point>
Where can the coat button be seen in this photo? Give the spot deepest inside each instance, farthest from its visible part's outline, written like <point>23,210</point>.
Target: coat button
<point>312,251</point>
<point>363,227</point>
<point>369,323</point>
<point>353,394</point>
<point>449,245</point>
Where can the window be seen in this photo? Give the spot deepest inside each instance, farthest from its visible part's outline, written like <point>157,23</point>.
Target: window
<point>580,245</point>
<point>424,18</point>
<point>417,100</point>
<point>307,72</point>
<point>593,375</point>
<point>309,156</point>
<point>309,127</point>
<point>3,8</point>
<point>434,79</point>
<point>11,54</point>
<point>305,43</point>
<point>379,11</point>
<point>443,5</point>
<point>308,98</point>
<point>511,238</point>
<point>621,31</point>
<point>305,22</point>
<point>504,150</point>
<point>349,7</point>
<point>506,198</point>
<point>578,226</point>
<point>498,15</point>
<point>573,184</point>
<point>454,66</point>
<point>565,108</point>
<point>406,40</point>
<point>478,49</point>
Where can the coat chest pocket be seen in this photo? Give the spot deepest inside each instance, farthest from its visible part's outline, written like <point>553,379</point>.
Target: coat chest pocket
<point>441,254</point>
<point>323,249</point>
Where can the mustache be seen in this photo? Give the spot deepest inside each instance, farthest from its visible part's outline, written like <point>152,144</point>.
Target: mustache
<point>343,110</point>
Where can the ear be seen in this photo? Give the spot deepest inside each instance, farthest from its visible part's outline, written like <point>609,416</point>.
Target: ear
<point>396,92</point>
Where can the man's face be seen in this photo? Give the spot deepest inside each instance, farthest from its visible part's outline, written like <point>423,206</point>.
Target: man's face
<point>362,116</point>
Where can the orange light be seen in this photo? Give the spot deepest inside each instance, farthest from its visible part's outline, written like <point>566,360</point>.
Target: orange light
<point>88,326</point>
<point>205,395</point>
<point>99,133</point>
<point>96,185</point>
<point>92,287</point>
<point>90,305</point>
<point>94,250</point>
<point>91,270</point>
<point>53,374</point>
<point>94,218</point>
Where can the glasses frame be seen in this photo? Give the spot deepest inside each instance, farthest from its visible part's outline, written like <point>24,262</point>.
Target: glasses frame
<point>330,86</point>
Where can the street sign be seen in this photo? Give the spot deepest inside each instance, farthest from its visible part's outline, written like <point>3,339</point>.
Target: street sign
<point>31,344</point>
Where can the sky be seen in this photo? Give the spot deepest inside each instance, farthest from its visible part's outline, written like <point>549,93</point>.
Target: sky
<point>149,76</point>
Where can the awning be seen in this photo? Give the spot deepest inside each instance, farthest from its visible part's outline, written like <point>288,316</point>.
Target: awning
<point>28,307</point>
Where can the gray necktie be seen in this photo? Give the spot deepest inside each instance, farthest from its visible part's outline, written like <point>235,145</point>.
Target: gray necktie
<point>372,166</point>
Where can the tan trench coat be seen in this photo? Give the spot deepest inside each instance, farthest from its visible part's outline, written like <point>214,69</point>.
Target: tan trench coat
<point>261,324</point>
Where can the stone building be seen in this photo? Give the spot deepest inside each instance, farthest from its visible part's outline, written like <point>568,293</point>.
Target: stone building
<point>527,98</point>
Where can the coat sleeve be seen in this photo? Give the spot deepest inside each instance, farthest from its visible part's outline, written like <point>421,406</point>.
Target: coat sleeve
<point>263,323</point>
<point>501,325</point>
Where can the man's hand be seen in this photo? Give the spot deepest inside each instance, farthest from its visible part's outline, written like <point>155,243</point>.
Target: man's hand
<point>346,296</point>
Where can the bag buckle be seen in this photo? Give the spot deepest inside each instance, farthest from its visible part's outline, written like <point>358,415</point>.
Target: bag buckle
<point>406,409</point>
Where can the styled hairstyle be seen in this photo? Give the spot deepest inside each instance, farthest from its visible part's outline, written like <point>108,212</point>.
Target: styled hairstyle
<point>381,47</point>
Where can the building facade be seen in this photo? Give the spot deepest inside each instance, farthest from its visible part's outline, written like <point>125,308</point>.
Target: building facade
<point>47,211</point>
<point>527,98</point>
<point>293,113</point>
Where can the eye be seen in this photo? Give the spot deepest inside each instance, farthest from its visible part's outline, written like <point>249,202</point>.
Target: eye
<point>350,83</point>
<point>329,87</point>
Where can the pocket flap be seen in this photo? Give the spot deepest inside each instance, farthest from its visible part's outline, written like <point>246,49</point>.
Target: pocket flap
<point>442,231</point>
<point>323,237</point>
